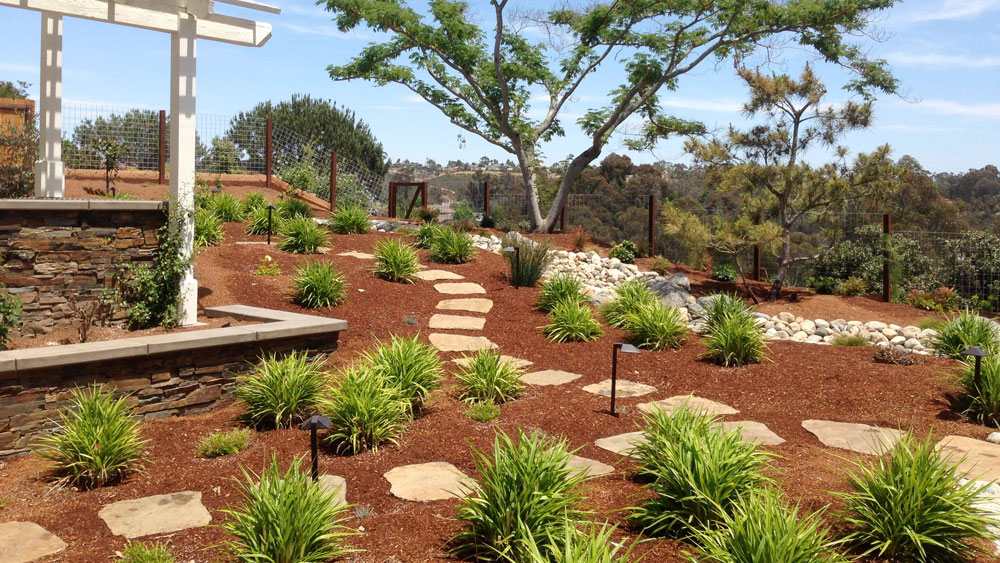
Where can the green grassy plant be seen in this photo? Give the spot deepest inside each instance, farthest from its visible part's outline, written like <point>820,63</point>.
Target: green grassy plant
<point>630,296</point>
<point>732,335</point>
<point>319,284</point>
<point>291,207</point>
<point>226,207</point>
<point>141,552</point>
<point>267,267</point>
<point>254,201</point>
<point>207,229</point>
<point>412,367</point>
<point>557,289</point>
<point>589,543</point>
<point>257,223</point>
<point>301,235</point>
<point>983,398</point>
<point>724,273</point>
<point>656,327</point>
<point>98,441</point>
<point>572,322</point>
<point>848,340</point>
<point>224,443</point>
<point>490,379</point>
<point>395,261</point>
<point>286,518</point>
<point>527,266</point>
<point>350,220</point>
<point>482,412</point>
<point>963,331</point>
<point>365,410</point>
<point>660,265</point>
<point>452,247</point>
<point>426,233</point>
<point>281,390</point>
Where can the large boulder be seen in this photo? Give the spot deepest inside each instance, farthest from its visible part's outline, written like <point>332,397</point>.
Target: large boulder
<point>672,291</point>
<point>681,281</point>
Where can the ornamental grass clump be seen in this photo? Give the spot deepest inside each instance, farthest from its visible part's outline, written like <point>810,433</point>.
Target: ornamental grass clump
<point>982,396</point>
<point>258,221</point>
<point>219,444</point>
<point>226,207</point>
<point>963,331</point>
<point>488,378</point>
<point>589,543</point>
<point>557,289</point>
<point>426,233</point>
<point>530,261</point>
<point>732,335</point>
<point>656,327</point>
<point>291,207</point>
<point>526,487</point>
<point>572,322</point>
<point>912,505</point>
<point>318,284</point>
<point>763,527</point>
<point>207,229</point>
<point>629,298</point>
<point>350,220</point>
<point>97,443</point>
<point>281,391</point>
<point>253,201</point>
<point>141,552</point>
<point>697,471</point>
<point>286,518</point>
<point>301,235</point>
<point>366,411</point>
<point>412,367</point>
<point>396,261</point>
<point>452,247</point>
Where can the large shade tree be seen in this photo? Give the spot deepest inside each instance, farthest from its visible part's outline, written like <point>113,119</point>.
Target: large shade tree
<point>482,73</point>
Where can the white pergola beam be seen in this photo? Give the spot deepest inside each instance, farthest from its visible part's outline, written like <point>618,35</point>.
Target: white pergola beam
<point>50,181</point>
<point>183,74</point>
<point>155,16</point>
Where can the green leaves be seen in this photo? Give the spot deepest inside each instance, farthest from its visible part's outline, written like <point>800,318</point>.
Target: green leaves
<point>281,390</point>
<point>489,379</point>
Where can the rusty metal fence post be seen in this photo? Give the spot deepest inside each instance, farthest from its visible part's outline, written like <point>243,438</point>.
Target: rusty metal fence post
<point>268,145</point>
<point>887,258</point>
<point>333,181</point>
<point>652,224</point>
<point>486,198</point>
<point>161,164</point>
<point>392,200</point>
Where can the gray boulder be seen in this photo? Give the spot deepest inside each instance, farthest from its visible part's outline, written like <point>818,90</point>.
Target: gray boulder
<point>681,281</point>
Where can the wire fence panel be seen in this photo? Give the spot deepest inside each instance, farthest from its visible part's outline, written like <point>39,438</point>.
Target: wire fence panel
<point>137,131</point>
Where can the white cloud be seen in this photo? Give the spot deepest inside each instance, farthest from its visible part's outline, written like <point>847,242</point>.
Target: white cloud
<point>730,106</point>
<point>909,128</point>
<point>947,107</point>
<point>21,69</point>
<point>954,9</point>
<point>937,59</point>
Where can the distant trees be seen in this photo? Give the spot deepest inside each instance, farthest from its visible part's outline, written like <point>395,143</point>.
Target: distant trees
<point>18,148</point>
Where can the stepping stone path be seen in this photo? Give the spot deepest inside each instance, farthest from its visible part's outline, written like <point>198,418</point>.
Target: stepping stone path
<point>859,438</point>
<point>432,275</point>
<point>518,362</point>
<point>459,342</point>
<point>460,288</point>
<point>424,482</point>
<point>982,459</point>
<point>360,255</point>
<point>755,432</point>
<point>624,388</point>
<point>471,304</point>
<point>621,444</point>
<point>698,404</point>
<point>456,322</point>
<point>591,467</point>
<point>21,542</point>
<point>549,377</point>
<point>157,514</point>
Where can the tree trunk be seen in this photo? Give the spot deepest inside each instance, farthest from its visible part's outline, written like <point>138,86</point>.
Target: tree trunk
<point>526,161</point>
<point>572,171</point>
<point>786,260</point>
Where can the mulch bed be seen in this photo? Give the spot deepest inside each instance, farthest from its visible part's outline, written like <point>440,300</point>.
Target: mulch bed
<point>800,381</point>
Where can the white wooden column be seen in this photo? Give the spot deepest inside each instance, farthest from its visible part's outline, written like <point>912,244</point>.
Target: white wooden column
<point>49,178</point>
<point>183,58</point>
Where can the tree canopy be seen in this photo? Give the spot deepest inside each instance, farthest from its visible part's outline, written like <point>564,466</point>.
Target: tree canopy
<point>483,74</point>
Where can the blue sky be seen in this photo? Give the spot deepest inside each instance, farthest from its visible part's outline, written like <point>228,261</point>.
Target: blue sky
<point>946,53</point>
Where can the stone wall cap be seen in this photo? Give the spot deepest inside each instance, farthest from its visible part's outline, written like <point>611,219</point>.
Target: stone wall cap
<point>102,204</point>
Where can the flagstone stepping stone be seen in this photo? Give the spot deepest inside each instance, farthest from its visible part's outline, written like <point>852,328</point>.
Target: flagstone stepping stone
<point>471,304</point>
<point>460,288</point>
<point>699,404</point>
<point>624,388</point>
<point>518,362</point>
<point>621,444</point>
<point>859,438</point>
<point>456,322</point>
<point>360,255</point>
<point>459,342</point>
<point>157,514</point>
<point>549,377</point>
<point>755,432</point>
<point>591,467</point>
<point>424,482</point>
<point>982,459</point>
<point>432,275</point>
<point>21,542</point>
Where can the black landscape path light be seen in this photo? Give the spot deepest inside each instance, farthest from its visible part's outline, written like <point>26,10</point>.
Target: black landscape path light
<point>315,423</point>
<point>978,353</point>
<point>270,211</point>
<point>517,262</point>
<point>628,349</point>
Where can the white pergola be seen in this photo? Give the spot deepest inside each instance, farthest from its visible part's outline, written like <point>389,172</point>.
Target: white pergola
<point>186,21</point>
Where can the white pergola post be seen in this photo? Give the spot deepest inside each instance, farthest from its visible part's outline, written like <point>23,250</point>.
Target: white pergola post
<point>183,71</point>
<point>49,178</point>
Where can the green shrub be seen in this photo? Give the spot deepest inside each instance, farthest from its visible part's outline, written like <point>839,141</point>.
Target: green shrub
<point>734,338</point>
<point>557,289</point>
<point>572,322</point>
<point>292,207</point>
<point>983,398</point>
<point>626,251</point>
<point>350,220</point>
<point>911,505</point>
<point>660,265</point>
<point>722,305</point>
<point>257,224</point>
<point>412,367</point>
<point>590,543</point>
<point>489,379</point>
<point>427,214</point>
<point>282,390</point>
<point>98,441</point>
<point>762,527</point>
<point>224,443</point>
<point>847,340</point>
<point>150,294</point>
<point>696,470</point>
<point>942,299</point>
<point>254,201</point>
<point>824,285</point>
<point>318,284</point>
<point>141,552</point>
<point>426,233</point>
<point>226,207</point>
<point>462,211</point>
<point>630,297</point>
<point>452,247</point>
<point>962,332</point>
<point>852,287</point>
<point>365,410</point>
<point>656,327</point>
<point>207,229</point>
<point>10,314</point>
<point>395,261</point>
<point>482,412</point>
<point>525,486</point>
<point>464,225</point>
<point>286,518</point>
<point>724,273</point>
<point>527,266</point>
<point>301,235</point>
